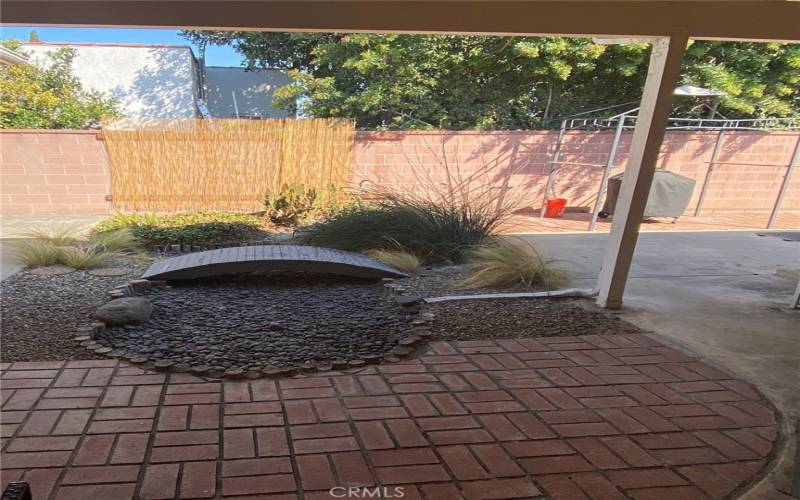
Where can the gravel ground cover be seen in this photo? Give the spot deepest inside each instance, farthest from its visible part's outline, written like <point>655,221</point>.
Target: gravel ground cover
<point>490,319</point>
<point>252,323</point>
<point>440,281</point>
<point>41,311</point>
<point>248,323</point>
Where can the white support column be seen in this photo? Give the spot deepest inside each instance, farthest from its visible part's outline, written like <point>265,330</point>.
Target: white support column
<point>662,76</point>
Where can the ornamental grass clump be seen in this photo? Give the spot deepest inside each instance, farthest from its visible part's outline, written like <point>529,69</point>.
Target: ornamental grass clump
<point>503,264</point>
<point>121,241</point>
<point>434,233</point>
<point>399,259</point>
<point>36,253</point>
<point>61,245</point>
<point>452,208</point>
<point>57,235</point>
<point>84,257</point>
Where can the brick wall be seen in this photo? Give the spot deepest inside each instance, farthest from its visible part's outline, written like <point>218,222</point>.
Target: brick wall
<point>53,171</point>
<point>67,171</point>
<point>520,159</point>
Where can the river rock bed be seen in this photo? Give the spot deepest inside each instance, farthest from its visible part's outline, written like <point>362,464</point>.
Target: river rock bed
<point>248,326</point>
<point>490,319</point>
<point>43,307</point>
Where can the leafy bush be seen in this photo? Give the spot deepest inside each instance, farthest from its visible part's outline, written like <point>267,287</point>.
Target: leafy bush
<point>291,205</point>
<point>503,264</point>
<point>399,259</point>
<point>201,228</point>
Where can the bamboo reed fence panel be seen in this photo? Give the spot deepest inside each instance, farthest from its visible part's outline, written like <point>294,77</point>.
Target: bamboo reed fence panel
<point>191,164</point>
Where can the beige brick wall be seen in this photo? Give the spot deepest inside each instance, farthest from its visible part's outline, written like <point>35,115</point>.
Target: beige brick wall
<point>53,171</point>
<point>67,171</point>
<point>521,158</point>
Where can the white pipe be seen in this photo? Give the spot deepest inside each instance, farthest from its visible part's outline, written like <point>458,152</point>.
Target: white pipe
<point>235,104</point>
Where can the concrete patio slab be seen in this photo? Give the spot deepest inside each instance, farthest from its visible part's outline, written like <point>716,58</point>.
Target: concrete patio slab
<point>722,295</point>
<point>562,417</point>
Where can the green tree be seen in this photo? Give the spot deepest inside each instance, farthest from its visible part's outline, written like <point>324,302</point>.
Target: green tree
<point>759,79</point>
<point>488,82</point>
<point>47,95</point>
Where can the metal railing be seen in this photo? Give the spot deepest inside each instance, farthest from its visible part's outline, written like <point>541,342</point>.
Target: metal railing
<point>627,120</point>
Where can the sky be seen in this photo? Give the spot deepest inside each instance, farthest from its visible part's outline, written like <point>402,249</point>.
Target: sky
<point>215,56</point>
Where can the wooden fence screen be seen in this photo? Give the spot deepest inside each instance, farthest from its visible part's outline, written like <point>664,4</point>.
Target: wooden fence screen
<point>191,164</point>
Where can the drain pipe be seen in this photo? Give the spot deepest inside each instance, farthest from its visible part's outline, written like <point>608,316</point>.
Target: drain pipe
<point>583,293</point>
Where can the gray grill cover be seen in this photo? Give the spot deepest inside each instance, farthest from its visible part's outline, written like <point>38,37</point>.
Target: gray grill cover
<point>669,194</point>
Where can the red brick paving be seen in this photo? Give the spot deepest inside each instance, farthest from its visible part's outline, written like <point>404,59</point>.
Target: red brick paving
<point>566,417</point>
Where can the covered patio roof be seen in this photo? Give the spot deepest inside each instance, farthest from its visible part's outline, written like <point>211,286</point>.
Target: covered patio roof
<point>667,25</point>
<point>735,20</point>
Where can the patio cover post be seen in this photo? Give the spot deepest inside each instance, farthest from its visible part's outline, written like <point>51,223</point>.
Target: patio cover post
<point>662,76</point>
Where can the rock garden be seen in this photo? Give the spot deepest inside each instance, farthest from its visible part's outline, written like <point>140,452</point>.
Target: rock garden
<point>81,296</point>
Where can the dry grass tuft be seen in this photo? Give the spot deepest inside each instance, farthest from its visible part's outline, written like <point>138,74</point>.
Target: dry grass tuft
<point>511,265</point>
<point>57,234</point>
<point>187,164</point>
<point>36,253</point>
<point>120,241</point>
<point>402,260</point>
<point>56,244</point>
<point>84,257</point>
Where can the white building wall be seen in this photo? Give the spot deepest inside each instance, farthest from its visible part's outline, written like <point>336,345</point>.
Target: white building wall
<point>146,81</point>
<point>253,91</point>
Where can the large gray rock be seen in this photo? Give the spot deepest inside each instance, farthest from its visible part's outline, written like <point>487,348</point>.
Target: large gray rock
<point>125,311</point>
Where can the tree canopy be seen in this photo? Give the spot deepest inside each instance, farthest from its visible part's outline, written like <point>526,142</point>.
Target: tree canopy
<point>47,95</point>
<point>490,82</point>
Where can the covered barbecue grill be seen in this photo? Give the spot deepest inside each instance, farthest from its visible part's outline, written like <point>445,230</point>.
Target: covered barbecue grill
<point>669,195</point>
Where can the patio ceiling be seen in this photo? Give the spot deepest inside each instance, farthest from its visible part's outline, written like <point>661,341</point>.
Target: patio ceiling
<point>756,20</point>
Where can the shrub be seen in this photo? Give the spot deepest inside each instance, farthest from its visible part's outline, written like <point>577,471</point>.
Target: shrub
<point>36,253</point>
<point>84,257</point>
<point>436,233</point>
<point>202,228</point>
<point>399,259</point>
<point>291,205</point>
<point>503,264</point>
<point>453,207</point>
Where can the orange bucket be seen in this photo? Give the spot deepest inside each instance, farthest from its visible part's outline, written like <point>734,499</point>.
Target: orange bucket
<point>554,207</point>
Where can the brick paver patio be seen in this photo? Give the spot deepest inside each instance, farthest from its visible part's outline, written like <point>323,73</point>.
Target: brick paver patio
<point>566,417</point>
